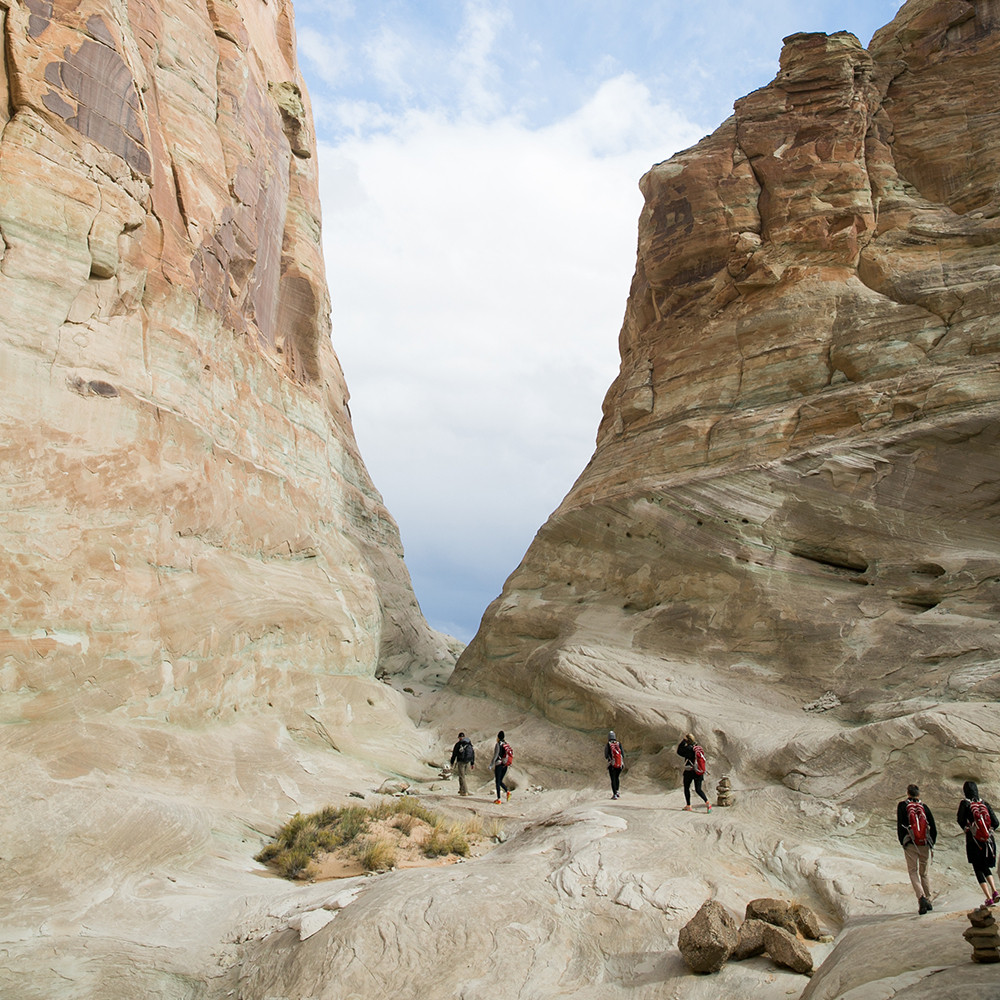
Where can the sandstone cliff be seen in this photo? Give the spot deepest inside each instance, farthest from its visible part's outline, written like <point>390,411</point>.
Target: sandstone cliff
<point>199,584</point>
<point>794,490</point>
<point>188,527</point>
<point>792,505</point>
<point>786,540</point>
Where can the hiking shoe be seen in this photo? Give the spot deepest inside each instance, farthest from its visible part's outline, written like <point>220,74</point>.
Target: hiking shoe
<point>924,905</point>
<point>994,899</point>
<point>686,809</point>
<point>708,807</point>
<point>496,802</point>
<point>508,796</point>
<point>929,906</point>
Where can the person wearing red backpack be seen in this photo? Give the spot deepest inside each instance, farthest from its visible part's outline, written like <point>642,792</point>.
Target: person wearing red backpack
<point>917,832</point>
<point>978,820</point>
<point>615,757</point>
<point>695,769</point>
<point>502,757</point>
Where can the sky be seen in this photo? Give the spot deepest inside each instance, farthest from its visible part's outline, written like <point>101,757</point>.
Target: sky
<point>479,165</point>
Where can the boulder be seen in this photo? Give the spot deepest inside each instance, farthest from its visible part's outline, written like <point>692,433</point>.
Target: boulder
<point>778,912</point>
<point>709,937</point>
<point>390,787</point>
<point>806,922</point>
<point>751,942</point>
<point>787,950</point>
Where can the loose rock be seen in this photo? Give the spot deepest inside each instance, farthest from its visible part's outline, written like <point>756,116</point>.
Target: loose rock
<point>778,912</point>
<point>751,942</point>
<point>983,935</point>
<point>709,938</point>
<point>787,950</point>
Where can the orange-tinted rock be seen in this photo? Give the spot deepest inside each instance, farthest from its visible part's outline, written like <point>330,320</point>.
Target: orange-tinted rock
<point>188,526</point>
<point>794,485</point>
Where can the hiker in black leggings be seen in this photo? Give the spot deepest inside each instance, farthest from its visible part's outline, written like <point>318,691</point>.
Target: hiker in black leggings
<point>686,749</point>
<point>981,854</point>
<point>499,768</point>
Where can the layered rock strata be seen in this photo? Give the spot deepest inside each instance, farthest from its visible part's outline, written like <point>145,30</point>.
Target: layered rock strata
<point>795,489</point>
<point>199,584</point>
<point>188,528</point>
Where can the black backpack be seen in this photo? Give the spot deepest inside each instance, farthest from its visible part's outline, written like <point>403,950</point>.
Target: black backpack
<point>466,753</point>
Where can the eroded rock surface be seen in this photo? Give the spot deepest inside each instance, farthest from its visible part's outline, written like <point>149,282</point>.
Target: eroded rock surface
<point>199,584</point>
<point>188,526</point>
<point>794,492</point>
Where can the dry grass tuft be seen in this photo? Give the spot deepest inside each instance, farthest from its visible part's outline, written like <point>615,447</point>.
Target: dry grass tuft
<point>304,838</point>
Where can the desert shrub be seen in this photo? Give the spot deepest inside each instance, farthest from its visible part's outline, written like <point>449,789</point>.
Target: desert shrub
<point>292,862</point>
<point>446,840</point>
<point>404,823</point>
<point>376,854</point>
<point>305,836</point>
<point>410,806</point>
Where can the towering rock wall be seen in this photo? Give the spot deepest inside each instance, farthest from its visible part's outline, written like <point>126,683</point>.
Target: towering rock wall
<point>795,487</point>
<point>187,527</point>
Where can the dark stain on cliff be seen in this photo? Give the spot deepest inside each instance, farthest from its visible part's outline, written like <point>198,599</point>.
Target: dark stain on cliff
<point>94,93</point>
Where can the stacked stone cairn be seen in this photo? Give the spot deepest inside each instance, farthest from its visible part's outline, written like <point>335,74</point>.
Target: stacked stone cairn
<point>724,792</point>
<point>983,935</point>
<point>777,928</point>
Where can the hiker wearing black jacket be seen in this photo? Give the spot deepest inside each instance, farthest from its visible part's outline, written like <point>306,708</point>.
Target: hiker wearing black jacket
<point>615,756</point>
<point>689,750</point>
<point>499,764</point>
<point>981,852</point>
<point>917,832</point>
<point>463,759</point>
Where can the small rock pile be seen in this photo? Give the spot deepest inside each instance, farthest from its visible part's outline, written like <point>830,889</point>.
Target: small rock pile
<point>983,935</point>
<point>724,792</point>
<point>775,927</point>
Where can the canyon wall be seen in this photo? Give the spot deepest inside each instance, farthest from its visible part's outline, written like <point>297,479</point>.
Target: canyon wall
<point>795,493</point>
<point>188,529</point>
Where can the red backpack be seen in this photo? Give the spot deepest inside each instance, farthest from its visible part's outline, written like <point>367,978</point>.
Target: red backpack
<point>916,820</point>
<point>980,824</point>
<point>616,753</point>
<point>506,754</point>
<point>700,763</point>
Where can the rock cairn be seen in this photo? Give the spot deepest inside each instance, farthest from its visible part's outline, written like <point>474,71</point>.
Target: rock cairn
<point>983,935</point>
<point>777,928</point>
<point>724,792</point>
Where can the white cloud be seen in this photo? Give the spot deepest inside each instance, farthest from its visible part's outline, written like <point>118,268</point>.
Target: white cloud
<point>327,56</point>
<point>479,273</point>
<point>477,74</point>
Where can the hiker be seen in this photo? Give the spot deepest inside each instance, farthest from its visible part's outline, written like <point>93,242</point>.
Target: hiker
<point>502,757</point>
<point>615,757</point>
<point>978,820</point>
<point>695,769</point>
<point>463,759</point>
<point>917,832</point>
